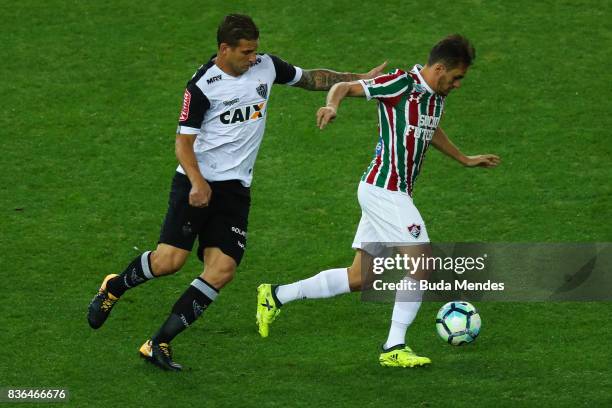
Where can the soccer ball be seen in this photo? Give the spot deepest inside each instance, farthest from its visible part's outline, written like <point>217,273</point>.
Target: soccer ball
<point>458,323</point>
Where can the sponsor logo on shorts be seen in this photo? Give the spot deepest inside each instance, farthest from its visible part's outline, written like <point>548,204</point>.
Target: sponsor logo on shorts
<point>187,230</point>
<point>414,230</point>
<point>238,231</point>
<point>185,111</point>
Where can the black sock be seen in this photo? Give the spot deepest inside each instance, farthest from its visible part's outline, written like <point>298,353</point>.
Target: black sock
<point>198,296</point>
<point>137,272</point>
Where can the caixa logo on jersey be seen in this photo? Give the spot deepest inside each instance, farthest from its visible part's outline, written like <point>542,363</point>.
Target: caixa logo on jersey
<point>243,114</point>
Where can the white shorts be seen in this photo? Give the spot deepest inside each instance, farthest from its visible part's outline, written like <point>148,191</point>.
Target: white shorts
<point>388,219</point>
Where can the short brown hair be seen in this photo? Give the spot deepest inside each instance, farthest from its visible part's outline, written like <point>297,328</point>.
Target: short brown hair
<point>236,27</point>
<point>452,51</point>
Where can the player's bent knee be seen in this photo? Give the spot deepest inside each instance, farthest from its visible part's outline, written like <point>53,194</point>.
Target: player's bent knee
<point>219,274</point>
<point>166,262</point>
<point>227,277</point>
<point>226,272</point>
<point>163,267</point>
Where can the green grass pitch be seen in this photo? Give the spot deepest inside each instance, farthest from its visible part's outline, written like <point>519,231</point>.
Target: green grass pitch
<point>89,98</point>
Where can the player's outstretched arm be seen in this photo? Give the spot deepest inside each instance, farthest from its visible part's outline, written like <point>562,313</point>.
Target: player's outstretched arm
<point>444,144</point>
<point>335,95</point>
<point>324,79</point>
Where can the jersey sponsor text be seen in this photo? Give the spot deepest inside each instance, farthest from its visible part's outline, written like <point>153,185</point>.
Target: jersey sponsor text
<point>213,79</point>
<point>185,111</point>
<point>242,114</point>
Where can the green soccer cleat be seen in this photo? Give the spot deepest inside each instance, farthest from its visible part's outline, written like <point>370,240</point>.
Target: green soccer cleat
<point>160,354</point>
<point>401,356</point>
<point>268,307</point>
<point>101,305</point>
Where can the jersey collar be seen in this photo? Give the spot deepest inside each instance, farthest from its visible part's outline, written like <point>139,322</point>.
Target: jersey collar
<point>417,70</point>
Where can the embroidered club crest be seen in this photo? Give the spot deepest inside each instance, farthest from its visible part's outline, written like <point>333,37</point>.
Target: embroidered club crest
<point>262,90</point>
<point>414,230</point>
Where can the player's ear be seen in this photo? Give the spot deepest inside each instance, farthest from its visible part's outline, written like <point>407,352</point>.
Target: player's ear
<point>223,48</point>
<point>439,68</point>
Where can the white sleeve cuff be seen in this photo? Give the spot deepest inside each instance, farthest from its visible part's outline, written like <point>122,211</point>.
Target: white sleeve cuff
<point>184,130</point>
<point>365,88</point>
<point>298,76</point>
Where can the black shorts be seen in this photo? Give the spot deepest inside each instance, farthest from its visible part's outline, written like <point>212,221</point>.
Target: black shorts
<point>222,224</point>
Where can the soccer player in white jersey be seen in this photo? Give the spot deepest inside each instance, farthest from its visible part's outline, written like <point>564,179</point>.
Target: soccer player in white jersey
<point>410,105</point>
<point>221,126</point>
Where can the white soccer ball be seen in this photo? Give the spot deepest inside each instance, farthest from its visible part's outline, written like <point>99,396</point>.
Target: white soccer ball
<point>458,323</point>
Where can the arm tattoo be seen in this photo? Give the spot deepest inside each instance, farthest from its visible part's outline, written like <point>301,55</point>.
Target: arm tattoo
<point>323,79</point>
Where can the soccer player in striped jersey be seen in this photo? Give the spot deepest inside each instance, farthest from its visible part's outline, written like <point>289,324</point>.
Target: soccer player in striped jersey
<point>410,106</point>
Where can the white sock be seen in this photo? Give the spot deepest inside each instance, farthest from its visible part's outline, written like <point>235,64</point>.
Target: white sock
<point>407,304</point>
<point>325,284</point>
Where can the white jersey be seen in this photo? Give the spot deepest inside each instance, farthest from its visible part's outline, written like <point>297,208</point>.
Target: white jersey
<point>228,115</point>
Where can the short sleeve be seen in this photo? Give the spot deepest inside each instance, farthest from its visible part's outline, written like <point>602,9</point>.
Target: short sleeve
<point>285,73</point>
<point>195,105</point>
<point>386,86</point>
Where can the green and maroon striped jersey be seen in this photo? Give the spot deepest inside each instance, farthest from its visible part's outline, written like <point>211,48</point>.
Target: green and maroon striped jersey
<point>409,112</point>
